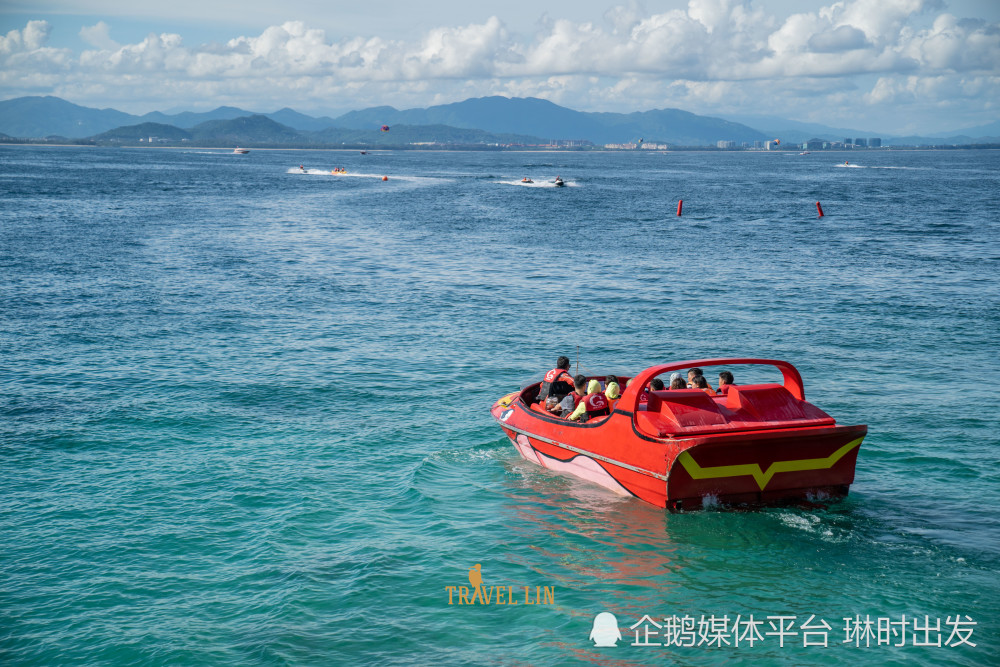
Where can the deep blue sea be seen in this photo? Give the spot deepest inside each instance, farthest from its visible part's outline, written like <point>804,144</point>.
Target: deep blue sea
<point>244,409</point>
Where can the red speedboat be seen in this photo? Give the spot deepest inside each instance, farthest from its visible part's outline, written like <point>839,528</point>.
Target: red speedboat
<point>681,448</point>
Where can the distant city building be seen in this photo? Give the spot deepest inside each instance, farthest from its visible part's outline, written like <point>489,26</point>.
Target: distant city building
<point>620,147</point>
<point>875,142</point>
<point>725,144</point>
<point>861,142</point>
<point>654,147</point>
<point>758,144</point>
<point>848,142</point>
<point>813,145</point>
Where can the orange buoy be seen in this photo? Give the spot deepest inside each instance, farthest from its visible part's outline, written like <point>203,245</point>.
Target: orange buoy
<point>385,178</point>
<point>680,204</point>
<point>819,209</point>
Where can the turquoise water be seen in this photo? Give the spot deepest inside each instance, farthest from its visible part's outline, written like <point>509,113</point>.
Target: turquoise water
<point>245,410</point>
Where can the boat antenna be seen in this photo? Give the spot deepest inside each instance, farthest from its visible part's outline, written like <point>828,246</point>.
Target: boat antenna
<point>577,359</point>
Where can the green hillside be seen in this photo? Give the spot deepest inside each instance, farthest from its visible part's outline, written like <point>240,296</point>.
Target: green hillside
<point>133,133</point>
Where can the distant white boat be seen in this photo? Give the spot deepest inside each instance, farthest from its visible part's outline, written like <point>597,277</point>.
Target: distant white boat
<point>241,151</point>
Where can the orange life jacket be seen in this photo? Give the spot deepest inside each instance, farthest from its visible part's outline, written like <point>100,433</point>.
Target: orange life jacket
<point>553,376</point>
<point>596,405</point>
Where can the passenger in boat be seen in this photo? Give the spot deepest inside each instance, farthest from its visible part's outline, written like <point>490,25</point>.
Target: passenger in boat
<point>678,383</point>
<point>557,382</point>
<point>612,390</point>
<point>655,385</point>
<point>701,383</point>
<point>571,400</point>
<point>692,374</point>
<point>725,382</point>
<point>593,404</point>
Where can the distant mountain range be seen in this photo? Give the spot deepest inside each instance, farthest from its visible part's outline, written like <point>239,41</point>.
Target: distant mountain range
<point>259,130</point>
<point>797,132</point>
<point>473,121</point>
<point>989,130</point>
<point>52,116</point>
<point>551,121</point>
<point>537,119</point>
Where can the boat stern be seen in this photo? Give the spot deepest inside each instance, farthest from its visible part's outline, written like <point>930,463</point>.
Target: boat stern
<point>806,464</point>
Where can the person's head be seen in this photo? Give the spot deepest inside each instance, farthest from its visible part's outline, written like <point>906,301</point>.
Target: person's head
<point>562,362</point>
<point>657,384</point>
<point>725,377</point>
<point>700,382</point>
<point>593,387</point>
<point>678,383</point>
<point>580,382</point>
<point>693,373</point>
<point>613,391</point>
<point>611,378</point>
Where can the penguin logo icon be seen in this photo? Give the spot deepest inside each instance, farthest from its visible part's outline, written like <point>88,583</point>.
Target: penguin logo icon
<point>605,631</point>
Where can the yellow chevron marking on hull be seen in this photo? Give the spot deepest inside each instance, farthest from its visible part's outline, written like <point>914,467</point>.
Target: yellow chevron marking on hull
<point>753,469</point>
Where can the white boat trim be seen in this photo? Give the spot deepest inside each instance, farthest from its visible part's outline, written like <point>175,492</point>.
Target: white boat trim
<point>584,452</point>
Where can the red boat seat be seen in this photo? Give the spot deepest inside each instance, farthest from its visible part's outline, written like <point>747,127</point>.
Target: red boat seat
<point>685,407</point>
<point>771,403</point>
<point>540,408</point>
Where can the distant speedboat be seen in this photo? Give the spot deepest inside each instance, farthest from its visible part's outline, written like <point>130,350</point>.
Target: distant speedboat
<point>241,151</point>
<point>364,152</point>
<point>804,153</point>
<point>526,180</point>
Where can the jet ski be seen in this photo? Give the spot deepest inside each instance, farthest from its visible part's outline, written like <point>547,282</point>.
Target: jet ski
<point>559,182</point>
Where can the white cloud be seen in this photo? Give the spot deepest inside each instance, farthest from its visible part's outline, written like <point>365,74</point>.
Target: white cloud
<point>32,38</point>
<point>99,36</point>
<point>959,45</point>
<point>841,38</point>
<point>715,55</point>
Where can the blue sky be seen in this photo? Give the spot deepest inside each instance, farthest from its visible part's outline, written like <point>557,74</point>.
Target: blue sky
<point>889,66</point>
